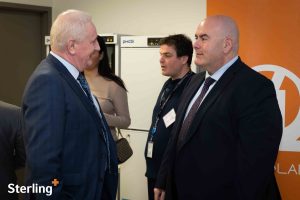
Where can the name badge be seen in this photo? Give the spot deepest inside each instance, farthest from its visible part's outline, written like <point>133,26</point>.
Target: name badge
<point>150,149</point>
<point>169,118</point>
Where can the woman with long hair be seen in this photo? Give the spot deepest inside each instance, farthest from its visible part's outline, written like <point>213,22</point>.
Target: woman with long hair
<point>109,89</point>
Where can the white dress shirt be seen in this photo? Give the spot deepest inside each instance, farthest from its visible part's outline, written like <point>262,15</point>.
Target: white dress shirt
<point>216,76</point>
<point>75,73</point>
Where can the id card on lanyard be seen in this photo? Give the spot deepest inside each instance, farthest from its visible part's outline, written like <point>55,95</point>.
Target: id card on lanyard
<point>169,118</point>
<point>150,149</point>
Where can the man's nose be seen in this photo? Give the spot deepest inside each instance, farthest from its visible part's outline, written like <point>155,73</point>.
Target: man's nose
<point>161,59</point>
<point>196,45</point>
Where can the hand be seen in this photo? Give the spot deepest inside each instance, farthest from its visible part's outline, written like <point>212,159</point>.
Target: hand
<point>159,194</point>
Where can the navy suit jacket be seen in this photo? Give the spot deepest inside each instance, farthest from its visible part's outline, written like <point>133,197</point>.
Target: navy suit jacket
<point>231,147</point>
<point>63,136</point>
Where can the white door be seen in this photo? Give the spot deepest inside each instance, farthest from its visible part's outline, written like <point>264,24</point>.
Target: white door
<point>141,73</point>
<point>142,76</point>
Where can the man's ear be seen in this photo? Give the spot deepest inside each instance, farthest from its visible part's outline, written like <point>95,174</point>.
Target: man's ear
<point>184,59</point>
<point>227,47</point>
<point>71,46</point>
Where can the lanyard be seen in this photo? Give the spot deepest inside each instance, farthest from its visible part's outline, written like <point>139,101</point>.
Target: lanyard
<point>163,104</point>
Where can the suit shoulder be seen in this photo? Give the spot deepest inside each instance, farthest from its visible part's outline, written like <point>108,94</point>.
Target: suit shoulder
<point>10,116</point>
<point>248,83</point>
<point>44,71</point>
<point>197,77</point>
<point>8,106</point>
<point>44,78</point>
<point>7,109</point>
<point>249,75</point>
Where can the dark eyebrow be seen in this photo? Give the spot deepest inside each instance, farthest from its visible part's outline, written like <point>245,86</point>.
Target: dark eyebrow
<point>165,53</point>
<point>203,35</point>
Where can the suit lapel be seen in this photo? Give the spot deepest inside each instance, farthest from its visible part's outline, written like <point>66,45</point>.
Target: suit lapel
<point>186,98</point>
<point>211,97</point>
<point>75,87</point>
<point>195,84</point>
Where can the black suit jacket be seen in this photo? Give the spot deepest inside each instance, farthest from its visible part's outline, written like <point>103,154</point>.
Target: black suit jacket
<point>64,136</point>
<point>232,144</point>
<point>12,152</point>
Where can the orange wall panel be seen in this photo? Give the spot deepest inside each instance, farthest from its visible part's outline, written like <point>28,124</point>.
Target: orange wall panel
<point>269,42</point>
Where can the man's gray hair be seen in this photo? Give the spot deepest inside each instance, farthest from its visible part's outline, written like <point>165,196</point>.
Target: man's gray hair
<point>70,24</point>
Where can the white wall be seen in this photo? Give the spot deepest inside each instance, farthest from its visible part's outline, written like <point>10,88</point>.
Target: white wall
<point>32,2</point>
<point>140,17</point>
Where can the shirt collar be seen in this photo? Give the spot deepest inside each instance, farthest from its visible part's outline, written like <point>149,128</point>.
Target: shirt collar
<point>217,75</point>
<point>73,71</point>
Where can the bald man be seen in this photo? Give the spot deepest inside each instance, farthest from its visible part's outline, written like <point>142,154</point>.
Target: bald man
<point>228,126</point>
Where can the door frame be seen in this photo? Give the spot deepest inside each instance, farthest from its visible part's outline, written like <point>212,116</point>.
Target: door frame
<point>45,13</point>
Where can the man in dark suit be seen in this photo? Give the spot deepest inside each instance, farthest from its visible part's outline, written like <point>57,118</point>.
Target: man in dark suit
<point>12,152</point>
<point>228,127</point>
<point>67,139</point>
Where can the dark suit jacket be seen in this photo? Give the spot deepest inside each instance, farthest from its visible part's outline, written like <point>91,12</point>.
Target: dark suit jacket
<point>12,152</point>
<point>63,135</point>
<point>232,144</point>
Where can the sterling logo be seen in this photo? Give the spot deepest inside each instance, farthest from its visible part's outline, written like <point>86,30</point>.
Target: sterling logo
<point>34,188</point>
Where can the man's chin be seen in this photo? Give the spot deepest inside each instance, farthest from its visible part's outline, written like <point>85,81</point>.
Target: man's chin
<point>88,65</point>
<point>165,73</point>
<point>198,63</point>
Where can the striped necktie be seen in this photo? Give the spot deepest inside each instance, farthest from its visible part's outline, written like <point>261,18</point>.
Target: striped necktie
<point>105,128</point>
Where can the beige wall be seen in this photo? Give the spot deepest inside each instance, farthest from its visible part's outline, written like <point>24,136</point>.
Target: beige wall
<point>140,17</point>
<point>134,17</point>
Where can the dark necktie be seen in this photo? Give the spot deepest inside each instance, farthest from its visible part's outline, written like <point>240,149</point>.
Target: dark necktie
<point>85,86</point>
<point>105,128</point>
<point>189,118</point>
